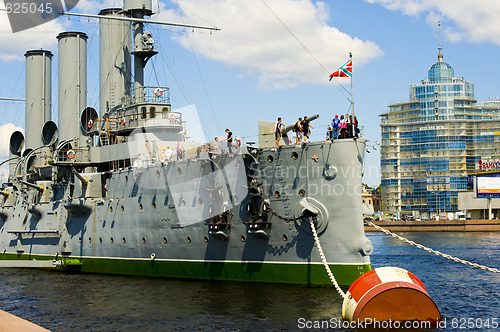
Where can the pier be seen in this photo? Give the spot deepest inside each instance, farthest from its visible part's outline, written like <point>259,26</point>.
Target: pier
<point>11,323</point>
<point>438,226</point>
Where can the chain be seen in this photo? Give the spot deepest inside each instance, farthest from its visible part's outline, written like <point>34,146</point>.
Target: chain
<point>318,245</point>
<point>274,213</point>
<point>435,252</point>
<point>323,259</point>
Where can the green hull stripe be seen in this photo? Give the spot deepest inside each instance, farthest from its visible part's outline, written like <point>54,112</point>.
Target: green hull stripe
<point>309,274</point>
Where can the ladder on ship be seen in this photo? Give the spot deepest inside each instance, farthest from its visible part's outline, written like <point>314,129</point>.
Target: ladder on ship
<point>105,136</point>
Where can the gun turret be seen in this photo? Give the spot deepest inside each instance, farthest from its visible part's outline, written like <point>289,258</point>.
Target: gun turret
<point>290,127</point>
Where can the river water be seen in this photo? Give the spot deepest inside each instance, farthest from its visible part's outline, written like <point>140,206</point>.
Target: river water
<point>62,302</point>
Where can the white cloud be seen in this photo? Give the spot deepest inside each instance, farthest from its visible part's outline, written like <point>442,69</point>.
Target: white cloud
<point>254,40</point>
<point>5,131</point>
<point>14,45</point>
<point>475,21</point>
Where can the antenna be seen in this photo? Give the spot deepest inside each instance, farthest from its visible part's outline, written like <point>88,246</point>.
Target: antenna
<point>440,55</point>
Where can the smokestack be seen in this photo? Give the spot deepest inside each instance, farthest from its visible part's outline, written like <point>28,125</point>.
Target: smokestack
<point>72,83</point>
<point>38,95</point>
<point>114,61</point>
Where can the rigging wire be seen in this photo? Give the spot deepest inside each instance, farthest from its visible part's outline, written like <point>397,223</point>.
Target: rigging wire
<point>201,76</point>
<point>171,68</point>
<point>204,86</point>
<point>13,90</point>
<point>308,52</point>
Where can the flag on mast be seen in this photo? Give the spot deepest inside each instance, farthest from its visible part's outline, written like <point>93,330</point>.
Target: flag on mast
<point>344,71</point>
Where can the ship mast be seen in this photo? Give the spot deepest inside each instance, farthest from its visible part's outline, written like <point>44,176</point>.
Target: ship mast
<point>133,11</point>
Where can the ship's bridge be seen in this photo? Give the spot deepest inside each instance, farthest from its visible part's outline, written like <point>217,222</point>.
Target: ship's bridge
<point>153,111</point>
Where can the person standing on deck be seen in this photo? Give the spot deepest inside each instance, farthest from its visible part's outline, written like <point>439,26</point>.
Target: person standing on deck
<point>305,129</point>
<point>335,127</point>
<point>229,140</point>
<point>297,127</point>
<point>278,131</point>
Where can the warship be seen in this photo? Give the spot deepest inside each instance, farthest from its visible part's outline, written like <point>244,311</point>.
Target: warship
<point>122,190</point>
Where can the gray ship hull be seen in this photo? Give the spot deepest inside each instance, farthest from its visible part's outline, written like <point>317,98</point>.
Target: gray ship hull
<point>242,216</point>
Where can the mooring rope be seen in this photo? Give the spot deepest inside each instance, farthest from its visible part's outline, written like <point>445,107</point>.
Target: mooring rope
<point>323,259</point>
<point>435,252</point>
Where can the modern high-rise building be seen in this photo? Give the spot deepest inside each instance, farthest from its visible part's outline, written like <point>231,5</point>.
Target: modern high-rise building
<point>431,142</point>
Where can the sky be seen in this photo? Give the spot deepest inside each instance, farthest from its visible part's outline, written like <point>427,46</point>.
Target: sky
<point>272,58</point>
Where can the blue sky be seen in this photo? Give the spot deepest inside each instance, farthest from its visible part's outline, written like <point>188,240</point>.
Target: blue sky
<point>272,58</point>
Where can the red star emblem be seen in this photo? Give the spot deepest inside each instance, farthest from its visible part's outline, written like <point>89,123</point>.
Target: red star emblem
<point>315,158</point>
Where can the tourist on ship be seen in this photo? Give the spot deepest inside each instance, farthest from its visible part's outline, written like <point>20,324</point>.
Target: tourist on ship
<point>336,127</point>
<point>277,131</point>
<point>329,134</point>
<point>356,127</point>
<point>343,127</point>
<point>348,121</point>
<point>305,129</point>
<point>229,140</point>
<point>297,128</point>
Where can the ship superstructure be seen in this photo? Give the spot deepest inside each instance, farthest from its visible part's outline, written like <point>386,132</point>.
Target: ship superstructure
<point>121,190</point>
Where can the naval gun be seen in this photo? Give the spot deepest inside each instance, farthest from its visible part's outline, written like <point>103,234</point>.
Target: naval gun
<point>290,127</point>
<point>284,131</point>
<point>266,132</point>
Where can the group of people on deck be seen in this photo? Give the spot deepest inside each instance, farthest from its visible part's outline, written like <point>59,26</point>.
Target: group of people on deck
<point>345,127</point>
<point>301,130</point>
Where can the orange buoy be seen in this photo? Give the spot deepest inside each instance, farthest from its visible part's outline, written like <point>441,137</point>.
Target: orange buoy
<point>389,294</point>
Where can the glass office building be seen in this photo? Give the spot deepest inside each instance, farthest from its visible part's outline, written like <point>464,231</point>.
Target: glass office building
<point>431,142</point>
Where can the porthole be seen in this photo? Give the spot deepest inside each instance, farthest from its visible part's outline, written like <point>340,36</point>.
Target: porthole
<point>188,239</point>
<point>126,177</point>
<point>143,240</point>
<point>90,240</point>
<point>270,158</point>
<point>302,192</point>
<point>165,239</point>
<point>124,240</point>
<point>284,237</point>
<point>235,198</point>
<point>183,203</point>
<point>55,214</point>
<point>200,202</point>
<point>140,207</point>
<point>179,170</point>
<point>80,239</point>
<point>154,205</point>
<point>110,209</point>
<point>112,240</point>
<point>100,240</point>
<point>123,209</point>
<point>158,173</point>
<point>205,239</point>
<point>243,239</point>
<point>295,155</point>
<point>277,194</point>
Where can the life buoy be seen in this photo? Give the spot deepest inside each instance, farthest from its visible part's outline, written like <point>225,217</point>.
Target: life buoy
<point>90,123</point>
<point>173,118</point>
<point>123,121</point>
<point>158,92</point>
<point>70,154</point>
<point>237,142</point>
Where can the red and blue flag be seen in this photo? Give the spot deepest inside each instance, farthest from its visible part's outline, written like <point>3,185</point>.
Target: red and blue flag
<point>344,71</point>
